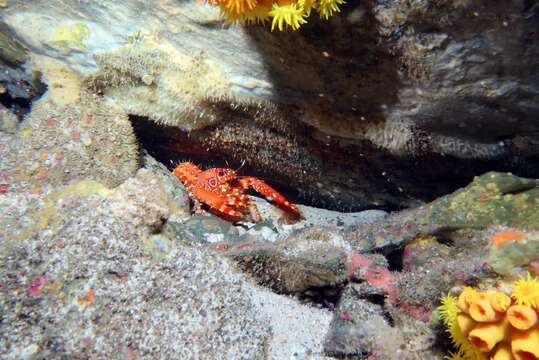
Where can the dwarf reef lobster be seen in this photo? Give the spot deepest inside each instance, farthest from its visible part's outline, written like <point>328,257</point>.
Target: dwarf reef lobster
<point>224,192</point>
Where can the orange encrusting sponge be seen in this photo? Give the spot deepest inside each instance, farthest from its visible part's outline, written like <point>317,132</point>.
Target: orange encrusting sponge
<point>282,13</point>
<point>493,326</point>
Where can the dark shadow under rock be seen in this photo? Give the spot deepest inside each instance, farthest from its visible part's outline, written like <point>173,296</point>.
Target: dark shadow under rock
<point>328,175</point>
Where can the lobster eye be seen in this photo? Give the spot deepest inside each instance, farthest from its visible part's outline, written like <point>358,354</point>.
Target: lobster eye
<point>221,173</point>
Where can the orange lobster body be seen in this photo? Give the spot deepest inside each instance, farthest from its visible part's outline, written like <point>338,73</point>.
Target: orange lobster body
<point>224,192</point>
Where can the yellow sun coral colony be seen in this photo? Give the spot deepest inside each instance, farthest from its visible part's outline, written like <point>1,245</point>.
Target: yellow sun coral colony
<point>283,14</point>
<point>491,325</point>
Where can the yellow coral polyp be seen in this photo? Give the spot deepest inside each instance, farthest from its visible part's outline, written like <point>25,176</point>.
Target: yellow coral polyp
<point>522,317</point>
<point>466,297</point>
<point>526,292</point>
<point>259,14</point>
<point>487,335</point>
<point>525,345</point>
<point>448,310</point>
<point>307,6</point>
<point>326,8</point>
<point>499,301</point>
<point>480,310</point>
<point>455,356</point>
<point>239,6</point>
<point>291,14</point>
<point>465,323</point>
<point>458,337</point>
<point>492,325</point>
<point>502,352</point>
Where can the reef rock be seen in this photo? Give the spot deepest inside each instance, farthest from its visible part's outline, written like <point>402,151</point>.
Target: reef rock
<point>8,120</point>
<point>386,90</point>
<point>480,233</point>
<point>514,251</point>
<point>492,199</point>
<point>59,144</point>
<point>360,327</point>
<point>93,269</point>
<point>18,86</point>
<point>83,280</point>
<point>313,257</point>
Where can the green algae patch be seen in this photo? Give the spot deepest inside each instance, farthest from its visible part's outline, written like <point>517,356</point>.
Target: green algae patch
<point>157,246</point>
<point>503,259</point>
<point>491,199</point>
<point>82,188</point>
<point>49,216</point>
<point>71,36</point>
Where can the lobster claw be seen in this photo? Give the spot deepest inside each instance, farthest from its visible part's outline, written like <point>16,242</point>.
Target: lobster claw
<point>270,194</point>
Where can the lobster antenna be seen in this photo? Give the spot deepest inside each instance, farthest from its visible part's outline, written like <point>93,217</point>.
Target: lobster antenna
<point>242,164</point>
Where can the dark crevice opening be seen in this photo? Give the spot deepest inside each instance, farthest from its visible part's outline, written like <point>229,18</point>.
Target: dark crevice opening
<point>399,182</point>
<point>19,106</point>
<point>326,297</point>
<point>394,256</point>
<point>378,299</point>
<point>441,340</point>
<point>203,158</point>
<point>395,259</point>
<point>389,318</point>
<point>444,238</point>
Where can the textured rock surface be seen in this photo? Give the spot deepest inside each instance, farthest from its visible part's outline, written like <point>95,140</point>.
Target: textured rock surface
<point>431,267</point>
<point>15,82</point>
<point>58,144</point>
<point>435,268</point>
<point>389,103</point>
<point>298,330</point>
<point>88,270</point>
<point>8,120</point>
<point>427,78</point>
<point>512,249</point>
<point>468,70</point>
<point>360,327</point>
<point>491,199</point>
<point>180,207</point>
<point>313,257</point>
<point>83,282</point>
<point>463,77</point>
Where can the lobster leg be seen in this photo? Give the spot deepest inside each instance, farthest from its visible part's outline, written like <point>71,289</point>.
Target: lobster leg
<point>254,213</point>
<point>241,202</point>
<point>221,204</point>
<point>270,193</point>
<point>197,207</point>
